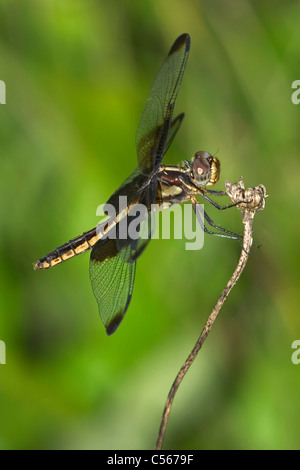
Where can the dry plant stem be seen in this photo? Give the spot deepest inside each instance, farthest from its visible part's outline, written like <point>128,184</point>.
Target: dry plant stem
<point>253,200</point>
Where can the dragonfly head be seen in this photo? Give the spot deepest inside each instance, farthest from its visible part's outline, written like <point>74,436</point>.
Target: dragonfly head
<point>205,169</point>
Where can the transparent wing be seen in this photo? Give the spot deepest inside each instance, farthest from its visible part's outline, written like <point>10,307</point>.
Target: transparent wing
<point>154,126</point>
<point>176,123</point>
<point>112,276</point>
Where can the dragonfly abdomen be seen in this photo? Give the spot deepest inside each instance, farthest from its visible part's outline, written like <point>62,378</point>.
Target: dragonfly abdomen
<point>70,249</point>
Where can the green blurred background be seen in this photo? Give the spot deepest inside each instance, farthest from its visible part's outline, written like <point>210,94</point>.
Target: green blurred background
<point>78,74</point>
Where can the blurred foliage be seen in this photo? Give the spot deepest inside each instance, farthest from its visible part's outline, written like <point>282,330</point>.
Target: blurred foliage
<point>77,75</point>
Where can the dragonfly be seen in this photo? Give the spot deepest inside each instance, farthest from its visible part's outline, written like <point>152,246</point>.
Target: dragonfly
<point>113,256</point>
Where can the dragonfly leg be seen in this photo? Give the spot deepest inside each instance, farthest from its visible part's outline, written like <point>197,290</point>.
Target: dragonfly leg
<point>226,233</point>
<point>217,206</point>
<point>216,193</point>
<point>235,235</point>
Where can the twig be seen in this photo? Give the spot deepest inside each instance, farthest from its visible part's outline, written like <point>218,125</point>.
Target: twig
<point>252,201</point>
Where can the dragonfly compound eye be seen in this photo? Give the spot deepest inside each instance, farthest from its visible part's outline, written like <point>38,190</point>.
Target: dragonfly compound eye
<point>206,169</point>
<point>201,168</point>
